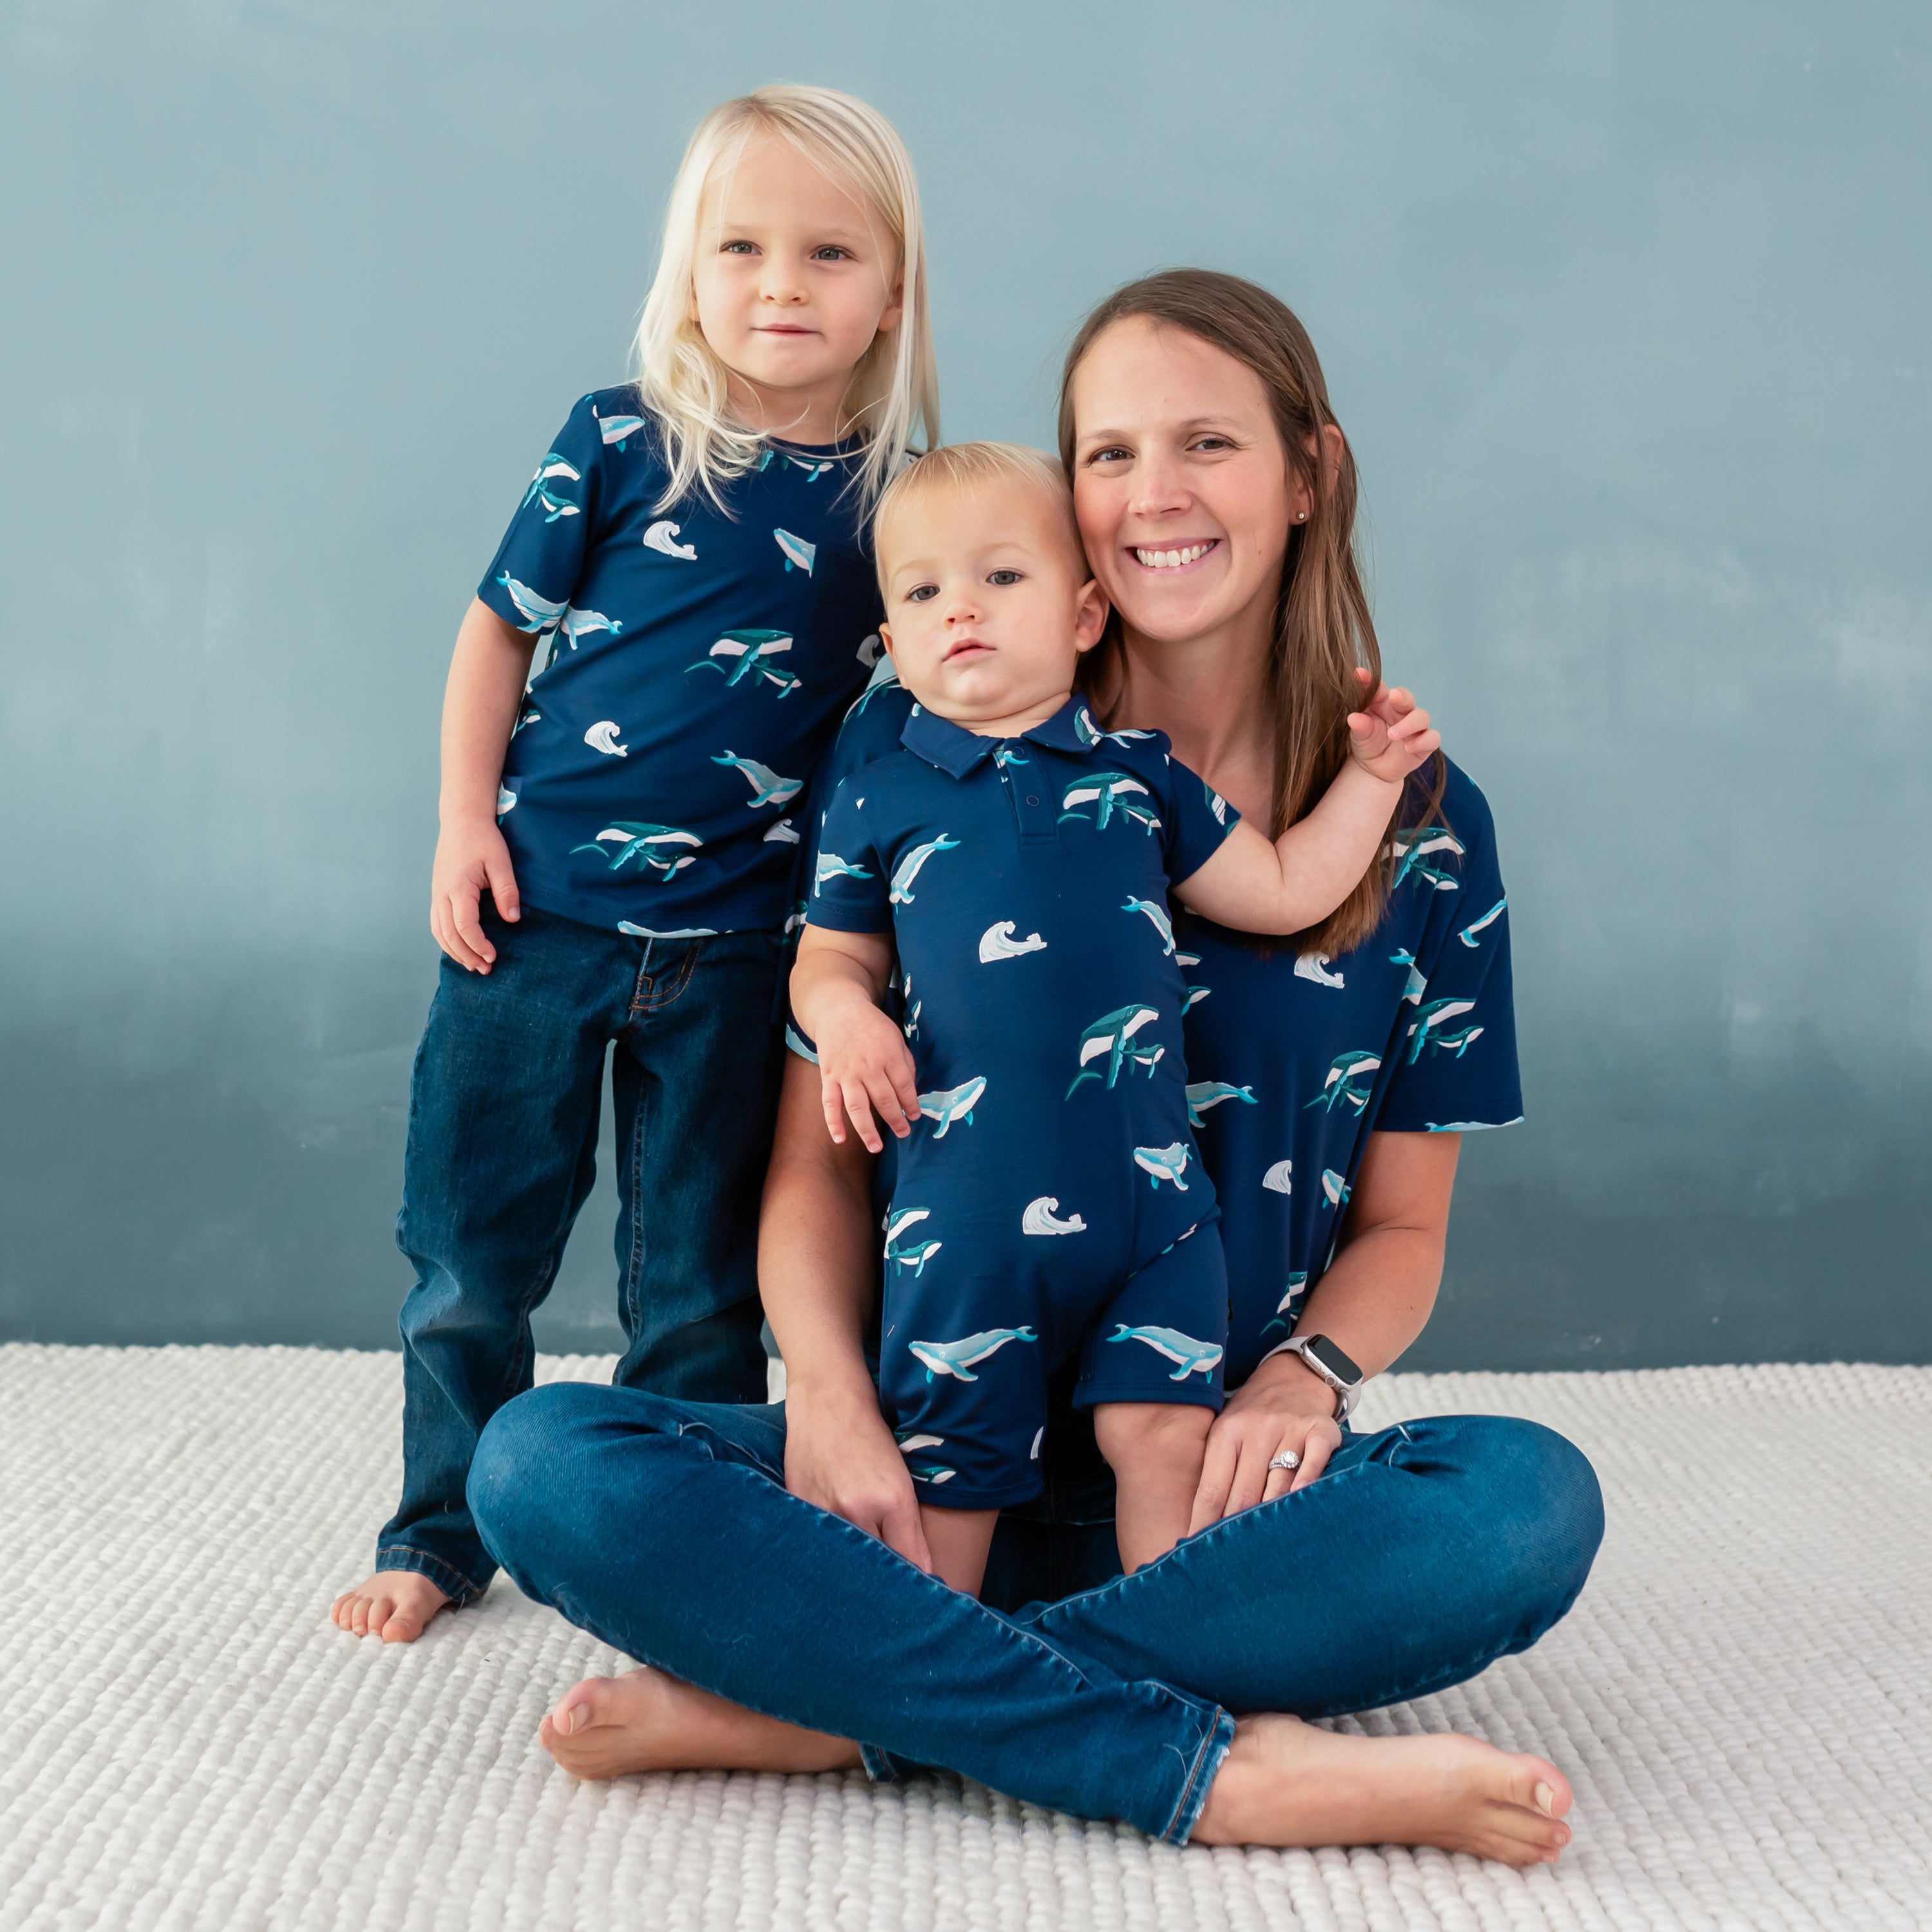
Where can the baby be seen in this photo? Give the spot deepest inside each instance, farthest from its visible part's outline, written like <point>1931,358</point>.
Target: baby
<point>1019,860</point>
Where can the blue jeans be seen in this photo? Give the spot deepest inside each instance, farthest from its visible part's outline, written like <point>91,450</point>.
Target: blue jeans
<point>1423,1554</point>
<point>502,1140</point>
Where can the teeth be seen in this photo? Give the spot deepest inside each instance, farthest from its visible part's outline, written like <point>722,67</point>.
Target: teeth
<point>1170,560</point>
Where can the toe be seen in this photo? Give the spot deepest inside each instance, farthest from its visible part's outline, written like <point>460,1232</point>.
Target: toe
<point>1536,1782</point>
<point>402,1627</point>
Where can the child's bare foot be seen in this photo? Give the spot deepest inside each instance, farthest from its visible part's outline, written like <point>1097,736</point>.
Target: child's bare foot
<point>646,1721</point>
<point>393,1605</point>
<point>1287,1782</point>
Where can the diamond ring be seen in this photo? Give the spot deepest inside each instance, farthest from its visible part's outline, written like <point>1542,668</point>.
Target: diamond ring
<point>1287,1459</point>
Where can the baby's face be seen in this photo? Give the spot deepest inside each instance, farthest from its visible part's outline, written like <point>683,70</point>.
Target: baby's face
<point>988,602</point>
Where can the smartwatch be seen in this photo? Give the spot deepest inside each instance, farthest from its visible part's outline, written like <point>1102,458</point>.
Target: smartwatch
<point>1331,1363</point>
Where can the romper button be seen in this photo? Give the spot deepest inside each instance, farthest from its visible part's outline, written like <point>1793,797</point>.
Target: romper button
<point>1031,800</point>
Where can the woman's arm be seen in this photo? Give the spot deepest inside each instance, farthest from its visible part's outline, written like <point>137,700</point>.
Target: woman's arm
<point>815,1242</point>
<point>1373,1301</point>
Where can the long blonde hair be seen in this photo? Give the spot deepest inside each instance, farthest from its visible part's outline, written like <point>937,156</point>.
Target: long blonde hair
<point>1323,629</point>
<point>895,387</point>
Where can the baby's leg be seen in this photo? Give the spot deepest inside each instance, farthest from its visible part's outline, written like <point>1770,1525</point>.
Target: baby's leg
<point>958,1540</point>
<point>1155,1451</point>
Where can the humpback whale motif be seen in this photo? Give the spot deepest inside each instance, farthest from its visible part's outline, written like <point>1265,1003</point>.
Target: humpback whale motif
<point>1089,734</point>
<point>618,430</point>
<point>831,866</point>
<point>908,1444</point>
<point>602,736</point>
<point>506,800</point>
<point>1196,994</point>
<point>1217,805</point>
<point>576,624</point>
<point>1280,1179</point>
<point>783,833</point>
<point>1159,1164</point>
<point>794,920</point>
<point>934,1473</point>
<point>1461,1043</point>
<point>1109,792</point>
<point>768,788</point>
<point>908,868</point>
<point>625,926</point>
<point>1315,966</point>
<point>953,1102</point>
<point>528,718</point>
<point>1112,1034</point>
<point>1417,985</point>
<point>751,653</point>
<point>1469,1126</point>
<point>1436,1013</point>
<point>539,614</point>
<point>798,553</point>
<point>553,465</point>
<point>1157,916</point>
<point>640,841</point>
<point>885,677</point>
<point>997,942</point>
<point>1202,1094</point>
<point>909,1025</point>
<point>915,1255</point>
<point>1468,934</point>
<point>958,1358</point>
<point>1408,849</point>
<point>1297,1288</point>
<point>1042,1218</point>
<point>662,538</point>
<point>1337,1189</point>
<point>1195,1358</point>
<point>1350,1078</point>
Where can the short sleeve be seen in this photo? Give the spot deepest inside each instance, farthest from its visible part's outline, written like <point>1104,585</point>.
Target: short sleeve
<point>850,891</point>
<point>534,572</point>
<point>1198,822</point>
<point>1456,1070</point>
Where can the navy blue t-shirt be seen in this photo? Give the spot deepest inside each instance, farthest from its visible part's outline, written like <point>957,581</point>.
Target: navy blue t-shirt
<point>699,663</point>
<point>1293,1062</point>
<point>1025,882</point>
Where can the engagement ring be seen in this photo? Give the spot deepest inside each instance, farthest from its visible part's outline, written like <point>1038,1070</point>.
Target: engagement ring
<point>1287,1459</point>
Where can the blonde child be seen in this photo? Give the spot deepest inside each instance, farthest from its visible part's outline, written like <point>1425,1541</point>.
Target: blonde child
<point>617,833</point>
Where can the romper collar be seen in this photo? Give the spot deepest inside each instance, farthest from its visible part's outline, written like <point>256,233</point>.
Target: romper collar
<point>957,751</point>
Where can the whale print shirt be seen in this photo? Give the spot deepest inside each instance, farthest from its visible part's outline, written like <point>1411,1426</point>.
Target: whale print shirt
<point>1293,1060</point>
<point>697,665</point>
<point>1025,882</point>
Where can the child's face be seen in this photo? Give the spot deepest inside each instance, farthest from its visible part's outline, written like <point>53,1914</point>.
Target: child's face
<point>988,603</point>
<point>794,276</point>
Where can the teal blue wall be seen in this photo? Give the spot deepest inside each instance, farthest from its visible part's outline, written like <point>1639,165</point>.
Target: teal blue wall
<point>1625,307</point>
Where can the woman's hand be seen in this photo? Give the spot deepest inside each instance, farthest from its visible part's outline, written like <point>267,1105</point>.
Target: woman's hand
<point>1283,1407</point>
<point>840,1455</point>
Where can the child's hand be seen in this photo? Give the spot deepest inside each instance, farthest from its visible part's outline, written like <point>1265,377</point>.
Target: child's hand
<point>864,1063</point>
<point>470,857</point>
<point>1390,736</point>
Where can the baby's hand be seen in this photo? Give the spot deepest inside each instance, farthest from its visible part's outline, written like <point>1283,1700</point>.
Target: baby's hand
<point>1390,736</point>
<point>863,1063</point>
<point>471,859</point>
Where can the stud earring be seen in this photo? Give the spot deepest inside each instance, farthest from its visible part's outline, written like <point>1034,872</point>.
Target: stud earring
<point>1301,516</point>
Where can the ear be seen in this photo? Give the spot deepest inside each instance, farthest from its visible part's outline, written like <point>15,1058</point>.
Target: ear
<point>1331,445</point>
<point>885,638</point>
<point>894,311</point>
<point>1334,445</point>
<point>1091,609</point>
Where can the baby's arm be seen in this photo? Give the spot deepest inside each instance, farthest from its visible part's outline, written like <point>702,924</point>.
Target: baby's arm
<point>1297,881</point>
<point>480,702</point>
<point>863,1062</point>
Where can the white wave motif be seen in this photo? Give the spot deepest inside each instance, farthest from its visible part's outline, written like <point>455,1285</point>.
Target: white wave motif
<point>602,736</point>
<point>997,942</point>
<point>1280,1177</point>
<point>662,538</point>
<point>1315,966</point>
<point>1042,1218</point>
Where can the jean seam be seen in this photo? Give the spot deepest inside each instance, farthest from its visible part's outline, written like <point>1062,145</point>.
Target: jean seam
<point>467,1591</point>
<point>1213,1750</point>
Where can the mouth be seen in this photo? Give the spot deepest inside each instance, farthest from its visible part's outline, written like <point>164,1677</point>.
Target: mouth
<point>1179,556</point>
<point>780,328</point>
<point>964,648</point>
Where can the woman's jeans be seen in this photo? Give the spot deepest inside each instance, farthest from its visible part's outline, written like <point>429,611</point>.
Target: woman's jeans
<point>1421,1554</point>
<point>502,1143</point>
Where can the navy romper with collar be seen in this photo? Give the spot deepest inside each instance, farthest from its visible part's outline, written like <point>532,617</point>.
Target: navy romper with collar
<point>1050,1197</point>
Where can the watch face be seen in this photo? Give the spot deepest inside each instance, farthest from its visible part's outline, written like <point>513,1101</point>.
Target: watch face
<point>1333,1360</point>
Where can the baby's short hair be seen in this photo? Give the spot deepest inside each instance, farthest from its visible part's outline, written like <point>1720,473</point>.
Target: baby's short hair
<point>959,466</point>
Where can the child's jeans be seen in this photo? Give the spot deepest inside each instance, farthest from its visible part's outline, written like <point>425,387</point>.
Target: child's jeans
<point>502,1138</point>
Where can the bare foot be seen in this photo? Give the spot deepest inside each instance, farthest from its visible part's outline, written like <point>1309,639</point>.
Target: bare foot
<point>646,1721</point>
<point>1286,1783</point>
<point>393,1605</point>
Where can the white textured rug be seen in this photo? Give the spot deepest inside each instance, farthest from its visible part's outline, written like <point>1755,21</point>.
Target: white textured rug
<point>1743,1698</point>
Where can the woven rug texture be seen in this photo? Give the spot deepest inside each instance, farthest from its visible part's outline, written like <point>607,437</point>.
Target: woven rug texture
<point>1742,1698</point>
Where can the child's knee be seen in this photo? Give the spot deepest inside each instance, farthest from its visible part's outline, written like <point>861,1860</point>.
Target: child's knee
<point>1152,1433</point>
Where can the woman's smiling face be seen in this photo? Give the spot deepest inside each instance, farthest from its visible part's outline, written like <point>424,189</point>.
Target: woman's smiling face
<point>1180,485</point>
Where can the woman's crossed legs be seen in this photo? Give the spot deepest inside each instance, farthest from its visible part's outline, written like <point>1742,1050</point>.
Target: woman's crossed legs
<point>776,1632</point>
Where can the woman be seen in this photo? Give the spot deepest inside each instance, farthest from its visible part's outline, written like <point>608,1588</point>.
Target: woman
<point>1333,1571</point>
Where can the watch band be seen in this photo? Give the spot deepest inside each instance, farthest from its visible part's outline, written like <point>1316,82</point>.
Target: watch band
<point>1345,1392</point>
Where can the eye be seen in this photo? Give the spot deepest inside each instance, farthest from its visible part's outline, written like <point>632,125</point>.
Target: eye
<point>832,252</point>
<point>1003,577</point>
<point>922,593</point>
<point>1213,444</point>
<point>1112,453</point>
<point>739,248</point>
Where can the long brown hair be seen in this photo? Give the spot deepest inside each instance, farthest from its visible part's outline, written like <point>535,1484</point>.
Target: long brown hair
<point>1323,629</point>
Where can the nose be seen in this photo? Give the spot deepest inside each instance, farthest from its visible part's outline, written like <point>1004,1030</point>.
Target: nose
<point>962,606</point>
<point>1160,489</point>
<point>781,284</point>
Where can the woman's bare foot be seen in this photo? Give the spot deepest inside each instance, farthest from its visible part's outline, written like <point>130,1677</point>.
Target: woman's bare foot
<point>1286,1783</point>
<point>646,1721</point>
<point>394,1605</point>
